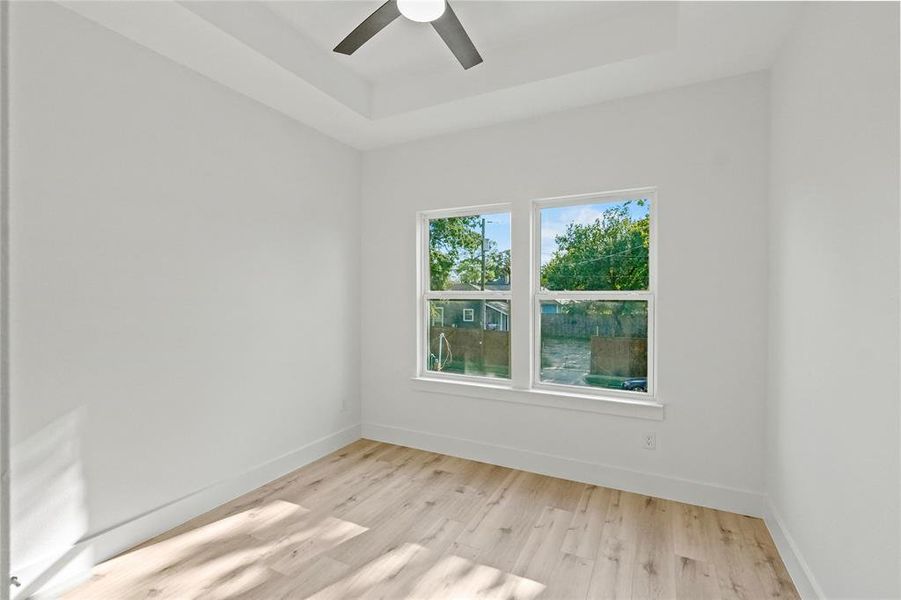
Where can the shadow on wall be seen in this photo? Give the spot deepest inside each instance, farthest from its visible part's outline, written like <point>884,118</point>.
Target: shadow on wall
<point>48,507</point>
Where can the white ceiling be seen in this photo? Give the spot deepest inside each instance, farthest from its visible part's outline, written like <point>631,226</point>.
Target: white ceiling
<point>405,84</point>
<point>408,47</point>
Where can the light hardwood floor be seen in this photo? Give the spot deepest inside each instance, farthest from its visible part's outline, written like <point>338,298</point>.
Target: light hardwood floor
<point>375,520</point>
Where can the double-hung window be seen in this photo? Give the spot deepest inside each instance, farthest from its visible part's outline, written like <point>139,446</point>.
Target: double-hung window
<point>466,298</point>
<point>593,293</point>
<point>591,290</point>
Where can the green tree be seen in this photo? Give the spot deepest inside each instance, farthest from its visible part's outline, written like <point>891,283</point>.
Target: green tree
<point>610,253</point>
<point>455,253</point>
<point>450,240</point>
<point>497,265</point>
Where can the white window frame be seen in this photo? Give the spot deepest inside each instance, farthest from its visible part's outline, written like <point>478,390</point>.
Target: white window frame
<point>425,294</point>
<point>641,295</point>
<point>472,315</point>
<point>525,298</point>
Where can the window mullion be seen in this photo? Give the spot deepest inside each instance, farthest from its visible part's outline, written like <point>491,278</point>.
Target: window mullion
<point>521,303</point>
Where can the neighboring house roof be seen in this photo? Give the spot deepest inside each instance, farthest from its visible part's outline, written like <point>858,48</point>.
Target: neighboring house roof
<point>500,307</point>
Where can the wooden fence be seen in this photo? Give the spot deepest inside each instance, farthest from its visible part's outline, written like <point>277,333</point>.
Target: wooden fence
<point>474,346</point>
<point>588,326</point>
<point>619,356</point>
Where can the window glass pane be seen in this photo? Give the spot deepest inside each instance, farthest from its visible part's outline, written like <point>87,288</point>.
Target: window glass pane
<point>470,253</point>
<point>595,343</point>
<point>596,246</point>
<point>470,337</point>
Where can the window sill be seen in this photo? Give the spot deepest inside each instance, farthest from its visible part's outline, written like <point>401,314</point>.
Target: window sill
<point>640,409</point>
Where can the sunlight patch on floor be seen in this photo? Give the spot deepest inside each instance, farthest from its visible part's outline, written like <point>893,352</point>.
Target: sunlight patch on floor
<point>414,571</point>
<point>227,557</point>
<point>455,577</point>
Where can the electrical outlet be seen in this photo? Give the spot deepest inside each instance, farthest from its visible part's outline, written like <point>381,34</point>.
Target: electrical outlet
<point>650,441</point>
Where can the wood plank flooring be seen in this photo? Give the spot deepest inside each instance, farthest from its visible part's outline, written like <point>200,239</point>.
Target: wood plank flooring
<point>375,520</point>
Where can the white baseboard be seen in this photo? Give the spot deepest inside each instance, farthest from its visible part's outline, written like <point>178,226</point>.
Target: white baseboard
<point>50,580</point>
<point>797,567</point>
<point>683,490</point>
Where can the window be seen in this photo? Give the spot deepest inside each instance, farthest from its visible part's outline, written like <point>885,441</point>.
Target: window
<point>591,291</point>
<point>467,281</point>
<point>593,294</point>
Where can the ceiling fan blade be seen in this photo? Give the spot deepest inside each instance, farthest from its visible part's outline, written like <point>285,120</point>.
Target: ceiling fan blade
<point>373,24</point>
<point>451,31</point>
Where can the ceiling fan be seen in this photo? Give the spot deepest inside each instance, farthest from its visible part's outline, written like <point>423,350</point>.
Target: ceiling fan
<point>437,12</point>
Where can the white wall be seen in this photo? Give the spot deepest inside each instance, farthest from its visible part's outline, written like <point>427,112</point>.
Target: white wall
<point>185,277</point>
<point>833,440</point>
<point>705,147</point>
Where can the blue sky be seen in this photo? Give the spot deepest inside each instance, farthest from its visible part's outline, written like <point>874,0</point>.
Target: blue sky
<point>553,223</point>
<point>497,228</point>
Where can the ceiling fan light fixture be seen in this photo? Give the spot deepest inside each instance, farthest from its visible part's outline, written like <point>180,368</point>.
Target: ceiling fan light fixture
<point>437,12</point>
<point>421,11</point>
